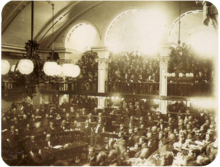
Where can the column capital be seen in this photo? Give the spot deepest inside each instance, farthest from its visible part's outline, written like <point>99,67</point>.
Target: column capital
<point>102,51</point>
<point>165,49</point>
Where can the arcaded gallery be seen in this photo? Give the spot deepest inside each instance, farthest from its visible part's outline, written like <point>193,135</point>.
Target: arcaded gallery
<point>109,83</point>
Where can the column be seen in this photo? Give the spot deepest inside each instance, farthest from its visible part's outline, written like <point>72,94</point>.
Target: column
<point>164,57</point>
<point>102,60</point>
<point>217,100</point>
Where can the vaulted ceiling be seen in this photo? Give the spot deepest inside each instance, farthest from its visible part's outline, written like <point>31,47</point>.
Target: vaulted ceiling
<point>16,18</point>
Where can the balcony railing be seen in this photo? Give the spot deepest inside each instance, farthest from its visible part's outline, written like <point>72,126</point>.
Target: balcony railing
<point>190,89</point>
<point>151,88</point>
<point>15,88</point>
<point>75,86</point>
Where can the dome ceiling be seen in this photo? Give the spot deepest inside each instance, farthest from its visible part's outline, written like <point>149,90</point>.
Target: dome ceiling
<point>16,17</point>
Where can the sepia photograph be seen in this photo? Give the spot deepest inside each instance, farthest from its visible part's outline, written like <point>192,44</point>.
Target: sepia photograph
<point>109,83</point>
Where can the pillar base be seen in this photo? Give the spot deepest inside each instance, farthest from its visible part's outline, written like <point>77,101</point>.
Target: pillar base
<point>101,102</point>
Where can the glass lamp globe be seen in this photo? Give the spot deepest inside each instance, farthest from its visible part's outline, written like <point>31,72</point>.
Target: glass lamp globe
<point>68,70</point>
<point>58,70</point>
<point>50,68</point>
<point>25,66</point>
<point>76,71</point>
<point>5,67</point>
<point>12,68</point>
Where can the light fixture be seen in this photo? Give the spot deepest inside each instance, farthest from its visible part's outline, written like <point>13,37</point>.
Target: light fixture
<point>58,70</point>
<point>181,74</point>
<point>76,71</point>
<point>68,69</point>
<point>166,75</point>
<point>12,68</point>
<point>25,66</point>
<point>50,68</point>
<point>5,67</point>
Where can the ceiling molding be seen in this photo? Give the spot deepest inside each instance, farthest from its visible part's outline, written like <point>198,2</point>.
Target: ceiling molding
<point>58,16</point>
<point>13,48</point>
<point>61,29</point>
<point>7,21</point>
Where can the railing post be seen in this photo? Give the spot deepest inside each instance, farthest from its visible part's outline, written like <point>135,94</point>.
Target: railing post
<point>102,60</point>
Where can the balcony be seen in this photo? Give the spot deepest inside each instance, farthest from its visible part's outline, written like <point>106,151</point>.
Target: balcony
<point>134,88</point>
<point>189,89</point>
<point>82,86</point>
<point>14,88</point>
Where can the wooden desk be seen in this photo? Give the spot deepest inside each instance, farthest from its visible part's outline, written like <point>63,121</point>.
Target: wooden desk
<point>65,153</point>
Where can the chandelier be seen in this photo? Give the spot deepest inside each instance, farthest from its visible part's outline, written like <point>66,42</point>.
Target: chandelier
<point>31,70</point>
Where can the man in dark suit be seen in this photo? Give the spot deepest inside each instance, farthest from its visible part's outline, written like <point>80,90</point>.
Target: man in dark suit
<point>78,118</point>
<point>65,104</point>
<point>161,125</point>
<point>5,124</point>
<point>87,132</point>
<point>37,128</point>
<point>90,118</point>
<point>143,144</point>
<point>62,126</point>
<point>50,129</point>
<point>47,143</point>
<point>142,131</point>
<point>119,140</point>
<point>113,158</point>
<point>151,143</point>
<point>91,157</point>
<point>33,152</point>
<point>121,128</point>
<point>27,131</point>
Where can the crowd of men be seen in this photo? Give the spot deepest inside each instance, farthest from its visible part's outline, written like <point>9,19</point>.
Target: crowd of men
<point>145,137</point>
<point>132,73</point>
<point>132,67</point>
<point>88,66</point>
<point>183,60</point>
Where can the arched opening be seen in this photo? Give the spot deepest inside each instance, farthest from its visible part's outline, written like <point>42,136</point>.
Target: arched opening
<point>81,37</point>
<point>134,30</point>
<point>202,39</point>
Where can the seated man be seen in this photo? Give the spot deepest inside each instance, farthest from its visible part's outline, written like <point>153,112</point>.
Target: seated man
<point>57,120</point>
<point>113,158</point>
<point>62,127</point>
<point>191,157</point>
<point>90,118</point>
<point>47,143</point>
<point>27,131</point>
<point>144,154</point>
<point>102,158</point>
<point>143,142</point>
<point>123,154</point>
<point>72,110</point>
<point>131,139</point>
<point>11,137</point>
<point>151,143</point>
<point>121,128</point>
<point>203,160</point>
<point>78,118</point>
<point>50,129</point>
<point>142,131</point>
<point>178,145</point>
<point>119,140</point>
<point>33,151</point>
<point>141,121</point>
<point>37,129</point>
<point>91,157</point>
<point>68,120</point>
